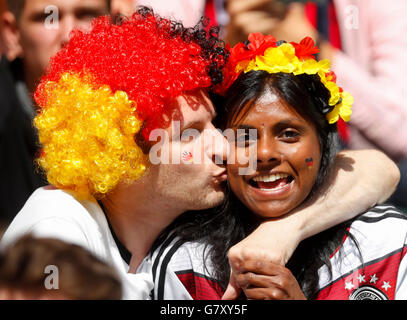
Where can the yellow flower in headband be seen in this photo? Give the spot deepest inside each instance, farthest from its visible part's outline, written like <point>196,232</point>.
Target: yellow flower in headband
<point>343,109</point>
<point>264,53</point>
<point>280,59</point>
<point>311,66</point>
<point>331,86</point>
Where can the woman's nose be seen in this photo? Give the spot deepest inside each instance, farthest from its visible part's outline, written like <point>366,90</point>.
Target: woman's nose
<point>267,151</point>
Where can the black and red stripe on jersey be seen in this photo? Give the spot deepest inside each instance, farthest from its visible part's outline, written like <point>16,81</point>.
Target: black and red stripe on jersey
<point>377,271</point>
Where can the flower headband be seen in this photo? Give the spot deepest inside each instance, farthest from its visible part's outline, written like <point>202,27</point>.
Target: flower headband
<point>266,54</point>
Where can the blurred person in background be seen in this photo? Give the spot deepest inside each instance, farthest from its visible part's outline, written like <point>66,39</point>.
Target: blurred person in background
<point>190,12</point>
<point>2,9</point>
<point>51,269</point>
<point>32,32</point>
<point>122,7</point>
<point>364,41</point>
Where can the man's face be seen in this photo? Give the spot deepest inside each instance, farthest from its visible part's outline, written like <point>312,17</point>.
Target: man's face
<point>192,175</point>
<point>44,27</point>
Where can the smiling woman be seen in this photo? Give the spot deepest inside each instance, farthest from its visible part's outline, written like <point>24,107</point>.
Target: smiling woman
<point>292,102</point>
<point>288,133</point>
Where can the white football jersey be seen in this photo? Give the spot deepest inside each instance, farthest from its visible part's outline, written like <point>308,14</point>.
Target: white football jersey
<point>378,273</point>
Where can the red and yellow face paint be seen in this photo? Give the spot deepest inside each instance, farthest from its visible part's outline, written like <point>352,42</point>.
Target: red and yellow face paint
<point>310,163</point>
<point>187,157</point>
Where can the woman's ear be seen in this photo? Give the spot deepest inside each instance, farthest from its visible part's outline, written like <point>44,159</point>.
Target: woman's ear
<point>10,34</point>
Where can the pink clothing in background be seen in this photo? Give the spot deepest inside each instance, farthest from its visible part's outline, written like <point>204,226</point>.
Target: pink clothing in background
<point>187,11</point>
<point>373,67</point>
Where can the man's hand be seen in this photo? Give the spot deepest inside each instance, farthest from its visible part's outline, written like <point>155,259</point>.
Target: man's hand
<point>265,280</point>
<point>273,242</point>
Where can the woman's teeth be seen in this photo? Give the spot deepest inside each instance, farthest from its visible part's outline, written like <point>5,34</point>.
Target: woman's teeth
<point>271,182</point>
<point>271,177</point>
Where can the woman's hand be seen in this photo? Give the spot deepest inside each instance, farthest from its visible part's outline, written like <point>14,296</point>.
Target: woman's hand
<point>261,280</point>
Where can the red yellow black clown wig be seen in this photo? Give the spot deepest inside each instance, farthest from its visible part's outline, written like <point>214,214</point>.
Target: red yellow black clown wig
<point>110,84</point>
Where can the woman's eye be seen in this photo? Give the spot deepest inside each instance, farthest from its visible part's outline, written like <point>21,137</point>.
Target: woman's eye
<point>290,134</point>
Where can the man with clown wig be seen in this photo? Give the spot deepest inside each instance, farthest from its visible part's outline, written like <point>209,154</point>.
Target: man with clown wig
<point>100,102</point>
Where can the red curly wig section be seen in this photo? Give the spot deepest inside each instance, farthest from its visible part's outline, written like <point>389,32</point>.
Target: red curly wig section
<point>142,57</point>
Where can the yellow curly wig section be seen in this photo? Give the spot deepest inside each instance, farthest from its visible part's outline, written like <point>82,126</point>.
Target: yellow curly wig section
<point>87,134</point>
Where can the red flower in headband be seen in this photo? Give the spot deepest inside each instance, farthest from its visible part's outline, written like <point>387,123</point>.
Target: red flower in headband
<point>258,43</point>
<point>331,76</point>
<point>240,53</point>
<point>305,49</point>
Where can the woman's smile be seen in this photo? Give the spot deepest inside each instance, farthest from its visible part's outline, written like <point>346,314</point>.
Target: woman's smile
<point>271,185</point>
